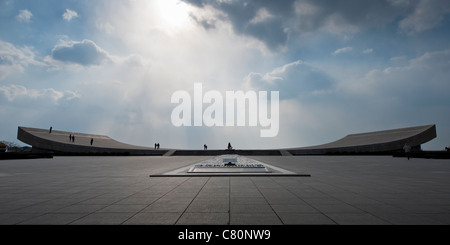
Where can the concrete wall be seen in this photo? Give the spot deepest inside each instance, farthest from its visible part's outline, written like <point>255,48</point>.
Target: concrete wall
<point>387,141</point>
<point>380,142</point>
<point>58,142</point>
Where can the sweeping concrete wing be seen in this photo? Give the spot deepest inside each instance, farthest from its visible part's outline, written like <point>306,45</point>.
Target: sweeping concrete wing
<point>384,142</point>
<point>59,141</point>
<point>373,142</point>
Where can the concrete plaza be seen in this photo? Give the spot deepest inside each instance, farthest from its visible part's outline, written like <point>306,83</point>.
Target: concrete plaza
<point>360,190</point>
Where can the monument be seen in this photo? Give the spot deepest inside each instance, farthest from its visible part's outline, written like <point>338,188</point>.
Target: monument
<point>229,166</point>
<point>378,142</point>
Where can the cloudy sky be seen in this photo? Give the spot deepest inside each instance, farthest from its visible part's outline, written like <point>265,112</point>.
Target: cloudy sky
<point>111,66</point>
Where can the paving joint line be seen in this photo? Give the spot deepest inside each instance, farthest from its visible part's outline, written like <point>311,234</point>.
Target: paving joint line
<point>155,200</point>
<point>192,199</point>
<point>265,199</point>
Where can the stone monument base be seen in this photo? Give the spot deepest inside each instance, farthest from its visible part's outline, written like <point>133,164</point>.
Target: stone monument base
<point>229,165</point>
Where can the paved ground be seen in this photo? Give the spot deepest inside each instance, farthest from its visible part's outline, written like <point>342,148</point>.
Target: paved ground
<point>117,190</point>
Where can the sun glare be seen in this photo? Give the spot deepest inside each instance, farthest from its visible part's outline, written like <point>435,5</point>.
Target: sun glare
<point>171,14</point>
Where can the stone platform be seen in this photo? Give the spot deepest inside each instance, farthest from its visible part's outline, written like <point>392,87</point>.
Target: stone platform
<point>341,190</point>
<point>229,165</point>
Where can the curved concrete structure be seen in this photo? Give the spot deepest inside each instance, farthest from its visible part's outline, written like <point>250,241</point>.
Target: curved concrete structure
<point>380,142</point>
<point>386,141</point>
<point>59,142</point>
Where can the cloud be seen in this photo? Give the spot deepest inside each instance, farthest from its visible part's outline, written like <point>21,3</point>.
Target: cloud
<point>15,59</point>
<point>24,16</point>
<point>342,50</point>
<point>426,15</point>
<point>85,53</point>
<point>294,79</point>
<point>341,16</point>
<point>107,27</point>
<point>262,20</point>
<point>69,14</point>
<point>419,80</point>
<point>18,92</point>
<point>351,16</point>
<point>367,51</point>
<point>274,23</point>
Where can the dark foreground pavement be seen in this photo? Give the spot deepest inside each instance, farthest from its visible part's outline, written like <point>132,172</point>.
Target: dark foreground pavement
<point>359,190</point>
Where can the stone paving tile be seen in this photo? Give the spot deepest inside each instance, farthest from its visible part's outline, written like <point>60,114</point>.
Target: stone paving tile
<point>424,209</point>
<point>408,218</point>
<point>248,200</point>
<point>166,218</point>
<point>337,208</point>
<point>39,209</point>
<point>310,193</point>
<point>294,208</point>
<point>103,218</point>
<point>323,201</point>
<point>294,218</point>
<point>213,195</point>
<point>15,218</point>
<point>208,206</point>
<point>26,201</point>
<point>138,200</point>
<point>245,193</point>
<point>254,219</point>
<point>356,219</point>
<point>283,200</point>
<point>54,219</point>
<point>443,218</point>
<point>166,207</point>
<point>64,201</point>
<point>210,218</point>
<point>81,208</point>
<point>380,208</point>
<point>122,208</point>
<point>250,208</point>
<point>100,200</point>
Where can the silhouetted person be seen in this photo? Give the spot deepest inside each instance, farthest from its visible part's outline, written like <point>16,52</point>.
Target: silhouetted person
<point>73,138</point>
<point>157,145</point>
<point>70,137</point>
<point>229,146</point>
<point>92,141</point>
<point>205,147</point>
<point>447,148</point>
<point>50,131</point>
<point>407,149</point>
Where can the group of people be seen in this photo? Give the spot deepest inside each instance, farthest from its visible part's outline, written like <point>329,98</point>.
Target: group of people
<point>205,147</point>
<point>156,146</point>
<point>72,139</point>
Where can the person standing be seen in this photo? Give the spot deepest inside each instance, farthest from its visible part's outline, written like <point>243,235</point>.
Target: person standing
<point>407,149</point>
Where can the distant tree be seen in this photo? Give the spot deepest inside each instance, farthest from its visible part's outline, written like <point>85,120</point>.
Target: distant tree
<point>2,147</point>
<point>11,146</point>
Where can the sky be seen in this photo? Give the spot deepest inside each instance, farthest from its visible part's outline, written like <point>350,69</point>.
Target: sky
<point>110,67</point>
